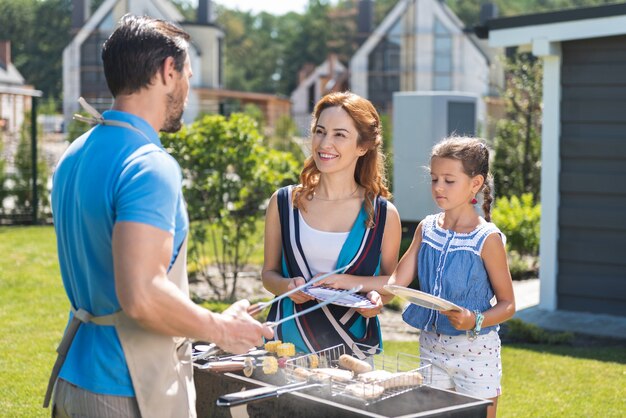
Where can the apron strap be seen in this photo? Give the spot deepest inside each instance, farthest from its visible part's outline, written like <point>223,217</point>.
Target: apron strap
<point>97,119</point>
<point>80,316</point>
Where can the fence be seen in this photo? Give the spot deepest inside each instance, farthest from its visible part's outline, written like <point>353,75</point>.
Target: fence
<point>29,154</point>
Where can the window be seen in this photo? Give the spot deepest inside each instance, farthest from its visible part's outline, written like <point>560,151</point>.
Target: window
<point>384,66</point>
<point>442,59</point>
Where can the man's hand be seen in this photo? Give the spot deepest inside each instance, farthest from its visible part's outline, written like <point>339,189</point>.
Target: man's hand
<point>241,331</point>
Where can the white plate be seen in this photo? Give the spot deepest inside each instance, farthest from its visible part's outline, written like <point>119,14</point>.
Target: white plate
<point>203,347</point>
<point>425,300</point>
<point>350,300</point>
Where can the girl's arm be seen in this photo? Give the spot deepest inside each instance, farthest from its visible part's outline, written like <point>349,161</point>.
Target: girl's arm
<point>271,274</point>
<point>406,270</point>
<point>497,265</point>
<point>494,257</point>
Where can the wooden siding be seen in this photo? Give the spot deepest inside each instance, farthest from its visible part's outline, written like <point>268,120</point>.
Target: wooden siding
<point>592,210</point>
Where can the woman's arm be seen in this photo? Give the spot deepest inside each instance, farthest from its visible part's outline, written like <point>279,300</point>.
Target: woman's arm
<point>271,274</point>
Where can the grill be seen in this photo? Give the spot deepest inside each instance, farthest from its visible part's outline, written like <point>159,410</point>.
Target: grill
<point>293,393</point>
<point>390,376</point>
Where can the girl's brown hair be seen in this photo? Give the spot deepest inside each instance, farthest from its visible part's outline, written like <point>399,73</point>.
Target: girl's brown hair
<point>370,168</point>
<point>474,155</point>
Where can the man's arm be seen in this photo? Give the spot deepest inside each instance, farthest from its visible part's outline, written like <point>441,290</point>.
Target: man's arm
<point>141,256</point>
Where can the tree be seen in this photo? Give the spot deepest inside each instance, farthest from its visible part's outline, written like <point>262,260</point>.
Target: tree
<point>3,185</point>
<point>385,121</point>
<point>38,31</point>
<point>469,10</point>
<point>22,180</point>
<point>517,143</point>
<point>229,175</point>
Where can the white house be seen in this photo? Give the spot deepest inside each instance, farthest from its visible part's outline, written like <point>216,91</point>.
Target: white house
<point>15,95</point>
<point>420,45</point>
<point>329,76</point>
<point>82,65</point>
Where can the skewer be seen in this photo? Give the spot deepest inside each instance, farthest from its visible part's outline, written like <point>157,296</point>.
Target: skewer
<point>258,307</point>
<point>330,300</point>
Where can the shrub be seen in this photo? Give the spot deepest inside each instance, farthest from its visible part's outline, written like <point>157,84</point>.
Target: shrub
<point>405,243</point>
<point>396,304</point>
<point>229,175</point>
<point>522,266</point>
<point>518,219</point>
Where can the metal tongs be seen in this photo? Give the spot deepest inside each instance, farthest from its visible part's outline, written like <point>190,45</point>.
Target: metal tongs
<point>214,349</point>
<point>328,301</point>
<point>258,307</point>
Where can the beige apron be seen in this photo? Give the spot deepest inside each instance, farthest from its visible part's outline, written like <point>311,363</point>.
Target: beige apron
<point>160,366</point>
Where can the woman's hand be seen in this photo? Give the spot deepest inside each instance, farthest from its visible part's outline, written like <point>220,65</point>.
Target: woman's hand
<point>298,297</point>
<point>461,320</point>
<point>333,281</point>
<point>375,298</point>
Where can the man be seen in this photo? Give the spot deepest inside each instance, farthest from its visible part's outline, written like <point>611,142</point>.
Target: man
<point>121,228</point>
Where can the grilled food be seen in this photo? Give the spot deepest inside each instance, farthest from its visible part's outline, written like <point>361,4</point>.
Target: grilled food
<point>365,390</point>
<point>270,346</point>
<point>270,365</point>
<point>286,350</point>
<point>352,363</point>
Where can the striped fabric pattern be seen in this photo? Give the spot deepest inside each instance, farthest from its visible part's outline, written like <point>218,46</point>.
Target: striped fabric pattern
<point>331,325</point>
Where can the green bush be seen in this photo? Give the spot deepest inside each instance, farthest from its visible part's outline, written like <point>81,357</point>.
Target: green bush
<point>517,330</point>
<point>522,266</point>
<point>519,218</point>
<point>405,243</point>
<point>396,304</point>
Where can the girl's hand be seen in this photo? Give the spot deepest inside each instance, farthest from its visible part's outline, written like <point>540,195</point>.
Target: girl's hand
<point>462,320</point>
<point>298,297</point>
<point>375,298</point>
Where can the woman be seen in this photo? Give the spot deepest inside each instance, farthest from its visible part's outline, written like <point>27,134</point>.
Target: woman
<point>337,216</point>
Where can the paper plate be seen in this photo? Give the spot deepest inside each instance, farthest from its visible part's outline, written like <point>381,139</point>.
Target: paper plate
<point>425,300</point>
<point>350,300</point>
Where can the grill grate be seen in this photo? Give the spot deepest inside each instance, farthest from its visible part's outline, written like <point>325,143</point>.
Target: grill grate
<point>390,376</point>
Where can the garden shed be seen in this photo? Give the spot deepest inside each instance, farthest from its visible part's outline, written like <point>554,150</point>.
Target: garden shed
<point>583,177</point>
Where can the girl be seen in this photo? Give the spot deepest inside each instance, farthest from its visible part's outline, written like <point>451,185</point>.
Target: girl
<point>460,256</point>
<point>337,216</point>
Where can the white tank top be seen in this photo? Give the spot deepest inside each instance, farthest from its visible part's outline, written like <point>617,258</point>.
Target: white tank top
<point>321,248</point>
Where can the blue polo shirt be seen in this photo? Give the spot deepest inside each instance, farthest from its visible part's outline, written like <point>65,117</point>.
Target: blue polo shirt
<point>108,175</point>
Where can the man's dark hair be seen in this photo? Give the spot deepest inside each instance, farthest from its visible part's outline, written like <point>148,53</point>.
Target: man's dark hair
<point>136,50</point>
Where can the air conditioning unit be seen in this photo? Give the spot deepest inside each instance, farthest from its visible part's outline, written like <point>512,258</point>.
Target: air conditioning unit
<point>420,120</point>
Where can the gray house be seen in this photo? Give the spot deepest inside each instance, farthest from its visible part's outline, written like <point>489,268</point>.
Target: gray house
<point>583,178</point>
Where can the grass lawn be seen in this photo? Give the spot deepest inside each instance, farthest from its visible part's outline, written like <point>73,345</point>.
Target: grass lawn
<point>556,381</point>
<point>539,381</point>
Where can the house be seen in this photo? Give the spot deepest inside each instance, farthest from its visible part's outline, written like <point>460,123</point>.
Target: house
<point>328,77</point>
<point>82,65</point>
<point>15,95</point>
<point>421,45</point>
<point>583,177</point>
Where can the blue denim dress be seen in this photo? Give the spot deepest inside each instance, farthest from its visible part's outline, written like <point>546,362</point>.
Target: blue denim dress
<point>449,266</point>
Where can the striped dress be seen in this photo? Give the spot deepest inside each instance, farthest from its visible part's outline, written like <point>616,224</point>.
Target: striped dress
<point>332,324</point>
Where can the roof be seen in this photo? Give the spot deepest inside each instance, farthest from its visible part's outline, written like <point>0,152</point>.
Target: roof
<point>396,13</point>
<point>564,25</point>
<point>10,76</point>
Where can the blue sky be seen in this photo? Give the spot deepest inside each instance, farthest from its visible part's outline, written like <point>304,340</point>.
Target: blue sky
<point>277,7</point>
